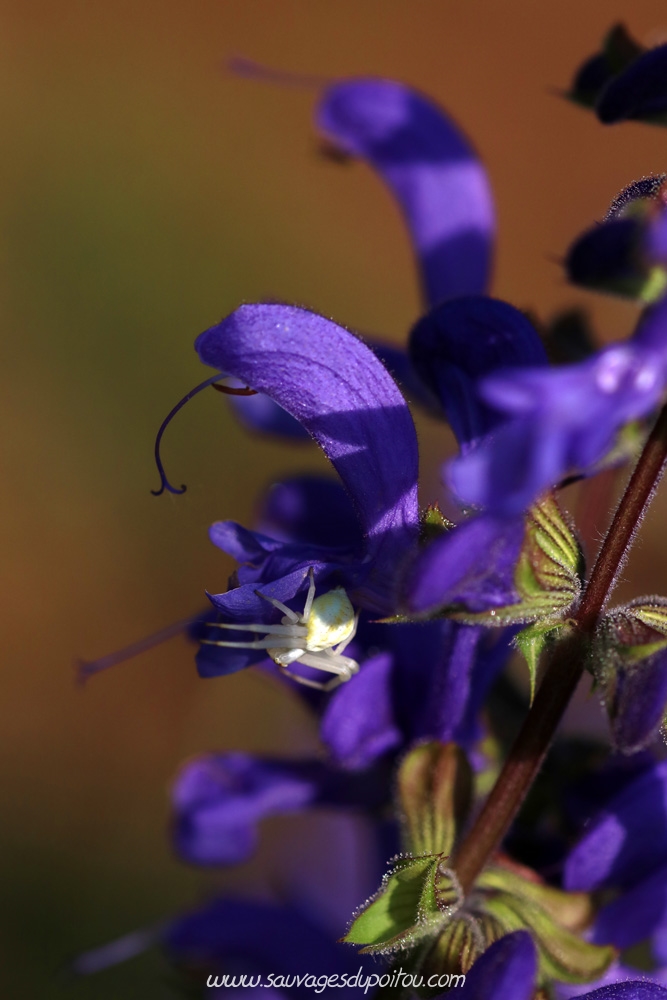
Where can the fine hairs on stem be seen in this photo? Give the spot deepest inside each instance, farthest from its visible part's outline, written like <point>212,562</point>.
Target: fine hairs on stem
<point>566,666</point>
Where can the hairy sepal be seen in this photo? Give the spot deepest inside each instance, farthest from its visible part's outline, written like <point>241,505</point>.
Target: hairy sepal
<point>417,897</point>
<point>435,792</point>
<point>548,574</point>
<point>518,903</point>
<point>628,659</point>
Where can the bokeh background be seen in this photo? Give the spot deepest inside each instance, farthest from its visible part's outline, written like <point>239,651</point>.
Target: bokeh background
<point>144,193</point>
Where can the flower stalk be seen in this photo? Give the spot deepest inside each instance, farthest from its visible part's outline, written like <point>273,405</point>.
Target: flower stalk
<point>566,667</point>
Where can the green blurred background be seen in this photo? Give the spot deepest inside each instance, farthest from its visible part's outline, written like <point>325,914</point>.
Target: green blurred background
<point>145,192</point>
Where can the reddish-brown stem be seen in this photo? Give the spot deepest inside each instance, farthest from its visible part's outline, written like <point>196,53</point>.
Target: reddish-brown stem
<point>565,668</point>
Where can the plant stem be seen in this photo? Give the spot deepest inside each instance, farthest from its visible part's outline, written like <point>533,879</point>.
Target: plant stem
<point>565,668</point>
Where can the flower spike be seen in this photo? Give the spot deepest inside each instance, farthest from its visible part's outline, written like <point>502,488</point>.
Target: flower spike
<point>230,390</point>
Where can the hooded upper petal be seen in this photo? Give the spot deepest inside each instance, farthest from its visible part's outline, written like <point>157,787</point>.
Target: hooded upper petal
<point>432,171</point>
<point>335,386</point>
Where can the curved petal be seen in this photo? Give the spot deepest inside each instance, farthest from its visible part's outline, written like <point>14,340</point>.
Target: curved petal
<point>506,971</point>
<point>471,565</point>
<point>628,840</point>
<point>432,171</point>
<point>344,397</point>
<point>460,341</point>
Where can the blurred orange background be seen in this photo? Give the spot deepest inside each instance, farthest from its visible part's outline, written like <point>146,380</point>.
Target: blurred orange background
<point>145,192</point>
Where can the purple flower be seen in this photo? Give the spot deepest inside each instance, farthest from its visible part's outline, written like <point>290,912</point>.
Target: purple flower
<point>338,390</point>
<point>624,81</point>
<point>620,254</point>
<point>460,342</point>
<point>429,682</point>
<point>264,949</point>
<point>218,801</point>
<point>431,170</point>
<point>625,848</point>
<point>443,192</point>
<point>561,421</point>
<point>335,387</point>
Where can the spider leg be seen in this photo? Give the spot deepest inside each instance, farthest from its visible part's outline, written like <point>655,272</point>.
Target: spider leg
<point>267,643</point>
<point>292,631</point>
<point>310,596</point>
<point>342,646</point>
<point>318,685</point>
<point>292,615</point>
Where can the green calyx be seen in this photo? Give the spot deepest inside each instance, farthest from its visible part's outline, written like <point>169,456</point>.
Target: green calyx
<point>553,917</point>
<point>627,636</point>
<point>419,894</point>
<point>547,576</point>
<point>433,523</point>
<point>548,579</point>
<point>419,909</point>
<point>627,649</point>
<point>435,791</point>
<point>417,898</point>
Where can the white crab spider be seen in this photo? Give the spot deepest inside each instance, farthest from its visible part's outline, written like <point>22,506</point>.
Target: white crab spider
<point>316,637</point>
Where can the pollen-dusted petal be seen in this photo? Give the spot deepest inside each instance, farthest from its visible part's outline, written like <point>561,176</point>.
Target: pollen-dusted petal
<point>432,171</point>
<point>331,620</point>
<point>345,398</point>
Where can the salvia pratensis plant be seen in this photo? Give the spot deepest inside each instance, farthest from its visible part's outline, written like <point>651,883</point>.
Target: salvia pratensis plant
<point>394,623</point>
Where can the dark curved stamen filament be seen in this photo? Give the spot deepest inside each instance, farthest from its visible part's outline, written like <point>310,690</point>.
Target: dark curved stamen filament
<point>164,482</point>
<point>86,669</point>
<point>230,390</point>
